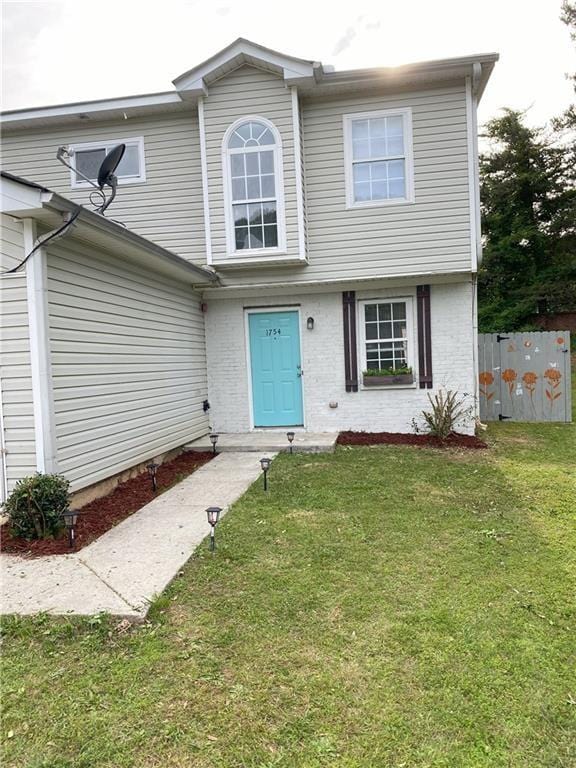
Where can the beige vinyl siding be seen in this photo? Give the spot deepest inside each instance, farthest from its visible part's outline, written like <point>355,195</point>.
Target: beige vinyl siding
<point>430,235</point>
<point>248,92</point>
<point>15,370</point>
<point>166,208</point>
<point>128,363</point>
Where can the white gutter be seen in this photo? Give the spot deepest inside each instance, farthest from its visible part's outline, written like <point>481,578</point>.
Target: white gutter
<point>25,199</point>
<point>319,77</point>
<point>332,284</point>
<point>87,107</point>
<point>104,225</point>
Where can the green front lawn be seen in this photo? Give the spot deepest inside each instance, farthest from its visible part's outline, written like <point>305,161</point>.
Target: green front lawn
<point>379,608</point>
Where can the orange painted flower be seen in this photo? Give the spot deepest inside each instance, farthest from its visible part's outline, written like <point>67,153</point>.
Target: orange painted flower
<point>509,375</point>
<point>559,340</point>
<point>486,378</point>
<point>553,376</point>
<point>529,378</point>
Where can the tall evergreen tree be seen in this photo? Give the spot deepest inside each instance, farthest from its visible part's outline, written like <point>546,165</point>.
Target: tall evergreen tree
<point>529,225</point>
<point>568,16</point>
<point>528,189</point>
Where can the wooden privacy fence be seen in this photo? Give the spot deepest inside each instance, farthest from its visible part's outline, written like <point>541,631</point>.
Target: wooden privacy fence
<point>525,376</point>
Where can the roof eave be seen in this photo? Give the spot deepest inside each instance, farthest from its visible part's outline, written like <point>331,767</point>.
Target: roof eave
<point>25,199</point>
<point>100,108</point>
<point>479,67</point>
<point>309,75</point>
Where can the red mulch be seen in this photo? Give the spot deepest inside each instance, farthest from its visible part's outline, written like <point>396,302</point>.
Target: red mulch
<point>399,438</point>
<point>100,515</point>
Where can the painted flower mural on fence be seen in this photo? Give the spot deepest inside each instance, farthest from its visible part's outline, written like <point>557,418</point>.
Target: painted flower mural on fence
<point>553,376</point>
<point>530,379</point>
<point>486,379</point>
<point>509,376</point>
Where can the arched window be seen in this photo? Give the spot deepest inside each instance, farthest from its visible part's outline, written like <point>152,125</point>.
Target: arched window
<point>254,186</point>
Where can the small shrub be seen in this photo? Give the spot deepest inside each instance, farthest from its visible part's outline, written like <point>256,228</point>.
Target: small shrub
<point>36,505</point>
<point>447,409</point>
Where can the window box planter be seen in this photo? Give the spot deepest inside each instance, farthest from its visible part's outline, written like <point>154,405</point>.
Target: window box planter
<point>388,381</point>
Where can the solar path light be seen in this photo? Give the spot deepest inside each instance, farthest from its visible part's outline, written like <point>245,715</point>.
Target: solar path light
<point>290,436</point>
<point>152,470</point>
<point>70,521</point>
<point>265,464</point>
<point>213,440</point>
<point>213,514</point>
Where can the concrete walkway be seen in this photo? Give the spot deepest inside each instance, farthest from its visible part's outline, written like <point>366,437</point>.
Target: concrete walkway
<point>124,569</point>
<point>266,441</point>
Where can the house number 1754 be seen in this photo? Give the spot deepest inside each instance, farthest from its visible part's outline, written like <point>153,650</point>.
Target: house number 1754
<point>272,331</point>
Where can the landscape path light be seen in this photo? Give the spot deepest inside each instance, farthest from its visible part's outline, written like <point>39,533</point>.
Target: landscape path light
<point>213,440</point>
<point>213,514</point>
<point>70,521</point>
<point>265,464</point>
<point>152,470</point>
<point>290,436</point>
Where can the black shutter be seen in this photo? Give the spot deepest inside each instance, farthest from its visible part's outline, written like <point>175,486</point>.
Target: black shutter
<point>424,336</point>
<point>350,349</point>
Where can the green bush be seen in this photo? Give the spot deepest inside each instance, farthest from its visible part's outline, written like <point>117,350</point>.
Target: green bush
<point>36,505</point>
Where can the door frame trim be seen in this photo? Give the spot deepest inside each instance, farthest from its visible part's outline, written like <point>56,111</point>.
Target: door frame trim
<point>256,311</point>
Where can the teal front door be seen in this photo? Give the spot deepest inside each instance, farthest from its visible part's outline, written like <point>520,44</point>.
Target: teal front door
<point>276,369</point>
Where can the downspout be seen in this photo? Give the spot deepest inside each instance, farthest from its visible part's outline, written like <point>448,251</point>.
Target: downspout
<point>472,85</point>
<point>475,364</point>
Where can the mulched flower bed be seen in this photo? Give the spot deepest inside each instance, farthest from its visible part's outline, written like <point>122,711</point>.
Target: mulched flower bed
<point>399,438</point>
<point>100,515</point>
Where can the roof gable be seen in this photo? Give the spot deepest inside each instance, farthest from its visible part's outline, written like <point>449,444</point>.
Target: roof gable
<point>196,81</point>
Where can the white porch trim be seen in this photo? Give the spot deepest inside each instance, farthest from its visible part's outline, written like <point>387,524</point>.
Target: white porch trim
<point>42,398</point>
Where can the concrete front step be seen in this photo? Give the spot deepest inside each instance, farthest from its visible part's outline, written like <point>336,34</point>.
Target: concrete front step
<point>262,442</point>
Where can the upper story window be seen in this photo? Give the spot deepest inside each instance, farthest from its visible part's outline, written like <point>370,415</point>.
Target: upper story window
<point>88,157</point>
<point>378,153</point>
<point>253,172</point>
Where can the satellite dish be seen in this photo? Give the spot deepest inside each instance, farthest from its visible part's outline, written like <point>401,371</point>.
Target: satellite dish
<point>109,165</point>
<point>106,174</point>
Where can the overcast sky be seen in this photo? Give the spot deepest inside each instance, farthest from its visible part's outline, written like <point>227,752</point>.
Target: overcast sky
<point>74,50</point>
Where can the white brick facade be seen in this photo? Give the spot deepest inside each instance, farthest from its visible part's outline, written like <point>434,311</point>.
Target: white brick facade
<point>323,360</point>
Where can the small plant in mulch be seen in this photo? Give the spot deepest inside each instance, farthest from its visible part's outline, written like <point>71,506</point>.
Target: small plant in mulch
<point>448,408</point>
<point>438,430</point>
<point>36,505</point>
<point>104,513</point>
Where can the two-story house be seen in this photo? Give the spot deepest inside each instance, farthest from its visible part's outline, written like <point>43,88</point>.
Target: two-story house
<point>327,225</point>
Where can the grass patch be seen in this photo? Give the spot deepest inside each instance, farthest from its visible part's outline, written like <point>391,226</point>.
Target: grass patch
<point>383,606</point>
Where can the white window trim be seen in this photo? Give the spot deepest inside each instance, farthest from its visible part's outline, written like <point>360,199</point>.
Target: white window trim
<point>406,114</point>
<point>107,145</point>
<point>263,253</point>
<point>412,350</point>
